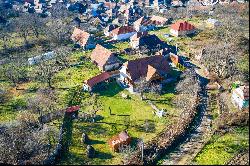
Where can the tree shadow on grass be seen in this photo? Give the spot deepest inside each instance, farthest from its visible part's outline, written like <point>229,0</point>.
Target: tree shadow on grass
<point>72,158</point>
<point>95,128</point>
<point>110,90</point>
<point>93,142</point>
<point>104,156</point>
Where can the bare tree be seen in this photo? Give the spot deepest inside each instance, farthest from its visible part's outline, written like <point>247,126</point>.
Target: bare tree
<point>4,35</point>
<point>189,83</point>
<point>23,142</point>
<point>46,70</point>
<point>15,71</point>
<point>58,31</point>
<point>22,26</point>
<point>44,102</point>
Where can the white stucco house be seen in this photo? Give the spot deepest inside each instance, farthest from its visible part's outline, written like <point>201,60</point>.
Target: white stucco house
<point>240,97</point>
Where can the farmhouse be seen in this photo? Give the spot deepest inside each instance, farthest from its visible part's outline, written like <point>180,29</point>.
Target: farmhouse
<point>182,28</point>
<point>240,97</point>
<point>118,141</point>
<point>143,24</point>
<point>154,68</point>
<point>122,33</point>
<point>104,59</point>
<point>84,39</point>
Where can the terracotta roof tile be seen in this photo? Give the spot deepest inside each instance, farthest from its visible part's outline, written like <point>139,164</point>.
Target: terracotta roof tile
<point>182,26</point>
<point>80,36</point>
<point>139,68</point>
<point>122,30</point>
<point>97,79</point>
<point>102,56</point>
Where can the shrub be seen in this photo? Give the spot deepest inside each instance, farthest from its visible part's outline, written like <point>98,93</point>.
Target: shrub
<point>18,104</point>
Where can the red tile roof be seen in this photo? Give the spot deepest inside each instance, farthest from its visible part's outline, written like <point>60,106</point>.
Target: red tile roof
<point>102,56</point>
<point>80,36</point>
<point>122,30</point>
<point>72,109</point>
<point>139,68</point>
<point>97,79</point>
<point>182,26</point>
<point>122,139</point>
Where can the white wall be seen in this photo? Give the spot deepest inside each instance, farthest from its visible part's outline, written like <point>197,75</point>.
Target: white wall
<point>123,36</point>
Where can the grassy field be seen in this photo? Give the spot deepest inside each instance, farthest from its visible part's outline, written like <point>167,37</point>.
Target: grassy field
<point>222,148</point>
<point>100,132</point>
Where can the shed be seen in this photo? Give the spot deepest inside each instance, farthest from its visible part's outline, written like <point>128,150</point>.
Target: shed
<point>119,140</point>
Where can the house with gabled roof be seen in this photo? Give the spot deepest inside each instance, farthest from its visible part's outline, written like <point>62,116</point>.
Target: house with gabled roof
<point>158,21</point>
<point>153,68</point>
<point>182,28</point>
<point>92,83</point>
<point>104,59</point>
<point>151,42</point>
<point>83,39</point>
<point>143,24</point>
<point>122,33</point>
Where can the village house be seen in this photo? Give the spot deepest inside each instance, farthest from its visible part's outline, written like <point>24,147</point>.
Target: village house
<point>104,59</point>
<point>182,28</point>
<point>83,39</point>
<point>109,28</point>
<point>143,24</point>
<point>153,69</point>
<point>150,42</point>
<point>119,141</point>
<point>90,84</point>
<point>158,21</point>
<point>240,96</point>
<point>122,33</point>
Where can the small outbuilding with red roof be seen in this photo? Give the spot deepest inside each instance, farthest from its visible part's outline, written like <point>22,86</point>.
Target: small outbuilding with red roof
<point>90,83</point>
<point>182,28</point>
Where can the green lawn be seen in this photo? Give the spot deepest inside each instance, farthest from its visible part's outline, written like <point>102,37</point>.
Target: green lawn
<point>222,148</point>
<point>108,125</point>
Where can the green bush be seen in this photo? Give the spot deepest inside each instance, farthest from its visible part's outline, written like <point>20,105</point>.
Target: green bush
<point>32,88</point>
<point>18,104</point>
